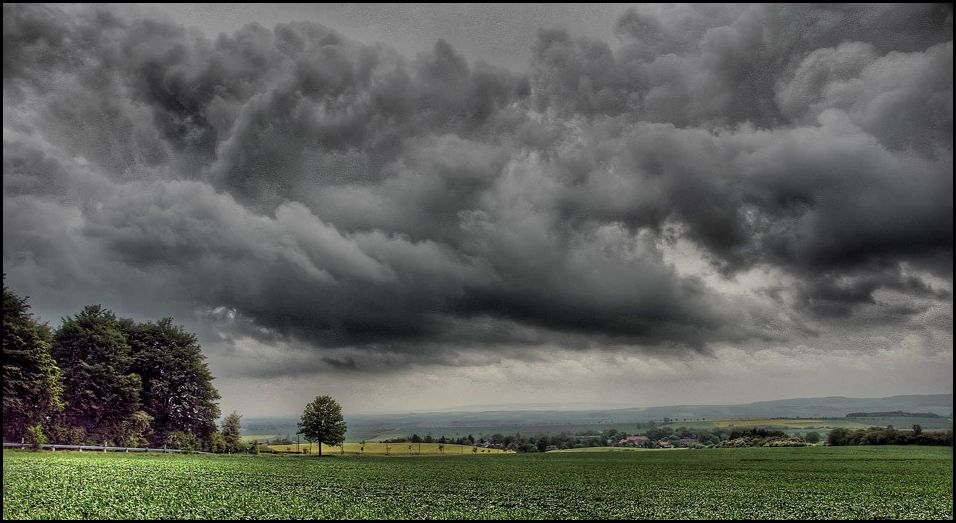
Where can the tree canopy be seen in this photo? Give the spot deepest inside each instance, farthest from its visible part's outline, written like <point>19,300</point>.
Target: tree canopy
<point>100,390</point>
<point>177,385</point>
<point>230,432</point>
<point>32,381</point>
<point>322,422</point>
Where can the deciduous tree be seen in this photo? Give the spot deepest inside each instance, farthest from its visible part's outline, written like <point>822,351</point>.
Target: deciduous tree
<point>322,421</point>
<point>177,385</point>
<point>32,381</point>
<point>100,390</point>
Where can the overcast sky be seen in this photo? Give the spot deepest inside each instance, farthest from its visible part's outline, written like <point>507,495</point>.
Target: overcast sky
<point>415,208</point>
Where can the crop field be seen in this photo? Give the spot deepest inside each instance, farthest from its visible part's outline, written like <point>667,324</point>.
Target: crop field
<point>397,449</point>
<point>616,449</point>
<point>804,483</point>
<point>249,438</point>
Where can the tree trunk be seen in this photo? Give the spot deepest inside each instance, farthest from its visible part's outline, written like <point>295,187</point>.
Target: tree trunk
<point>320,449</point>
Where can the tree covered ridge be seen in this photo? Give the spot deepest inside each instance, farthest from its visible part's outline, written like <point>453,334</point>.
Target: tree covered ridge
<point>102,379</point>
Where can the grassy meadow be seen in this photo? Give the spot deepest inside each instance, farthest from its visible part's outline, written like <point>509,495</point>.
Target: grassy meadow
<point>753,483</point>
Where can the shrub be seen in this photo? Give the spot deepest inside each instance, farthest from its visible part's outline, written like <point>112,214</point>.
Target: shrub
<point>785,442</point>
<point>77,436</point>
<point>136,429</point>
<point>64,434</point>
<point>35,437</point>
<point>838,436</point>
<point>183,441</point>
<point>217,443</point>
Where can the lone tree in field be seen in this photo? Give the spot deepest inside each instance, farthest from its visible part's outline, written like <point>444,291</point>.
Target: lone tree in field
<point>322,421</point>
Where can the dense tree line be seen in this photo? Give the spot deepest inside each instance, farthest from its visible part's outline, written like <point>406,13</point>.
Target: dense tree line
<point>653,436</point>
<point>101,379</point>
<point>606,438</point>
<point>764,437</point>
<point>889,436</point>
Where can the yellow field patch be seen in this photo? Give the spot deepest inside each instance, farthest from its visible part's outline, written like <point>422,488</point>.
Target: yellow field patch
<point>392,449</point>
<point>258,437</point>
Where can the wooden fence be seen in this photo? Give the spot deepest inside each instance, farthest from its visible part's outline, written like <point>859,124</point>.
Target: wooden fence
<point>98,448</point>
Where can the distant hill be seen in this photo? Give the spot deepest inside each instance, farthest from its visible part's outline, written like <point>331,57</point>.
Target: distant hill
<point>825,407</point>
<point>375,426</point>
<point>897,414</point>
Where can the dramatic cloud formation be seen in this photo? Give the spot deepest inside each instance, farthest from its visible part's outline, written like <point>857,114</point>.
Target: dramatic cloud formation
<point>727,176</point>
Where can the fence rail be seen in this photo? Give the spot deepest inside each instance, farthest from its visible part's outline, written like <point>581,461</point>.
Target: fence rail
<point>54,447</point>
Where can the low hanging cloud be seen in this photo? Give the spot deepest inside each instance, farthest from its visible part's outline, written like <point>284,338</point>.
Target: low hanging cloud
<point>292,186</point>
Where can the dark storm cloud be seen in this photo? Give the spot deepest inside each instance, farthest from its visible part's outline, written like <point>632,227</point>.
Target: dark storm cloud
<point>836,295</point>
<point>341,196</point>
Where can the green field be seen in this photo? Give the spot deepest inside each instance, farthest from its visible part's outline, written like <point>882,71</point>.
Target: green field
<point>615,449</point>
<point>804,483</point>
